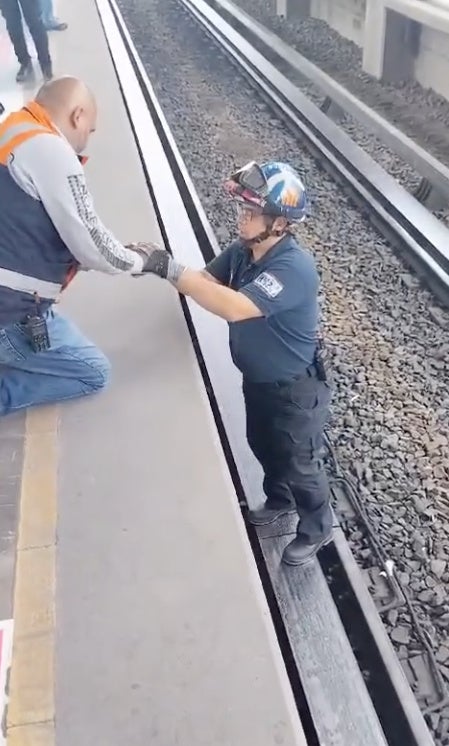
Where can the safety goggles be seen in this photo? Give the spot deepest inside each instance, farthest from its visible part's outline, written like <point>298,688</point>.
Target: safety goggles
<point>251,177</point>
<point>248,184</point>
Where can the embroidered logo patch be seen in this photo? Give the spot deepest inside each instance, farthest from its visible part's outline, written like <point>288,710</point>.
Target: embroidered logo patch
<point>269,284</point>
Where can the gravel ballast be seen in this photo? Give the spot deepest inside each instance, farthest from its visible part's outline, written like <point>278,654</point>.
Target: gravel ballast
<point>421,114</point>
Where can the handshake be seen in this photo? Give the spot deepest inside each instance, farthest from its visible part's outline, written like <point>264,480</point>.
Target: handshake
<point>157,261</point>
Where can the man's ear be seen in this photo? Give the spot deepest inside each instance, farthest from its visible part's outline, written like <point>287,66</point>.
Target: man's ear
<point>75,116</point>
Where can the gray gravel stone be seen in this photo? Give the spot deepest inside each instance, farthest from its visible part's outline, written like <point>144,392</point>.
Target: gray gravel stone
<point>393,616</point>
<point>424,596</point>
<point>438,567</point>
<point>401,635</point>
<point>442,654</point>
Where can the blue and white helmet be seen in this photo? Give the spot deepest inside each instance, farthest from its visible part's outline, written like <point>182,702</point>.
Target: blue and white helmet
<point>274,187</point>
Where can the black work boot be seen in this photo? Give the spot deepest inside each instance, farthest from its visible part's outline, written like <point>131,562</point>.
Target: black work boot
<point>266,515</point>
<point>26,73</point>
<point>47,71</point>
<point>298,552</point>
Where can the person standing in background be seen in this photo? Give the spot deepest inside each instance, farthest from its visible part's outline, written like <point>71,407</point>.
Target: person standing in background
<point>12,13</point>
<point>49,19</point>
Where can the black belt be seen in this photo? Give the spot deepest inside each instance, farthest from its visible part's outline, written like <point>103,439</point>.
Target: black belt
<point>309,372</point>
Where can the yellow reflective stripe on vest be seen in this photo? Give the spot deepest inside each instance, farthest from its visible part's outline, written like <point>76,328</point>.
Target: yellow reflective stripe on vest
<point>30,285</point>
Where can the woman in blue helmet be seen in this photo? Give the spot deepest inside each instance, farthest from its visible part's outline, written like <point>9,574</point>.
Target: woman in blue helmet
<point>266,286</point>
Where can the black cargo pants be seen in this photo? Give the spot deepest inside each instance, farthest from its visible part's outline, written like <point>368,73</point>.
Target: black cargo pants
<point>10,10</point>
<point>284,428</point>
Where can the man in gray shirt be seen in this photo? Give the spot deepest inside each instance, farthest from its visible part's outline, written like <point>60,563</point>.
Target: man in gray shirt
<point>49,230</point>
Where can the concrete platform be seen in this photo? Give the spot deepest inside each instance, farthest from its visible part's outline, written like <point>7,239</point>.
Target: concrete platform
<point>139,614</point>
<point>12,430</point>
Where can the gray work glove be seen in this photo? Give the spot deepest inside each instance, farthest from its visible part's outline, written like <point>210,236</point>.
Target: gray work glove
<point>157,261</point>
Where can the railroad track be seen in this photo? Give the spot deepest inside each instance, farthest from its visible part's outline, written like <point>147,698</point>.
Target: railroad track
<point>349,684</point>
<point>337,101</point>
<point>402,219</point>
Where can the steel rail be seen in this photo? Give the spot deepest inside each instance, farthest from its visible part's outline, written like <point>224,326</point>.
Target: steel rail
<point>409,226</point>
<point>433,172</point>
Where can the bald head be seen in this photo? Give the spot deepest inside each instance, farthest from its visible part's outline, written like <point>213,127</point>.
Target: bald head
<point>64,92</point>
<point>71,106</point>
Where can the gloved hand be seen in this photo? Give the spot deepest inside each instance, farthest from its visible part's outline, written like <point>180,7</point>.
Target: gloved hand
<point>144,248</point>
<point>157,261</point>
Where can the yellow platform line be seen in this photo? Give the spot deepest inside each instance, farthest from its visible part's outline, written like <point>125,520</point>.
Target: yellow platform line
<point>31,707</point>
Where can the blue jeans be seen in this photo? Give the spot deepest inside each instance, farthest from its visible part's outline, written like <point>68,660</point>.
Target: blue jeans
<point>72,367</point>
<point>47,16</point>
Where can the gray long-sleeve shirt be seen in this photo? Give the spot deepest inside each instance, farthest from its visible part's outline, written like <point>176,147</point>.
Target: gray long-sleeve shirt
<point>47,168</point>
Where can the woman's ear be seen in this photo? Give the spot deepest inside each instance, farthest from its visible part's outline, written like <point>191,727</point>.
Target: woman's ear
<point>280,226</point>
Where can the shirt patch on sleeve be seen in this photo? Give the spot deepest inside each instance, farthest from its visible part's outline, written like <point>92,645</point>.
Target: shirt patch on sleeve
<point>269,284</point>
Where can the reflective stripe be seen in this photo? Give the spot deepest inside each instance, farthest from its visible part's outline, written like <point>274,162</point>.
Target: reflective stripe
<point>19,129</point>
<point>25,284</point>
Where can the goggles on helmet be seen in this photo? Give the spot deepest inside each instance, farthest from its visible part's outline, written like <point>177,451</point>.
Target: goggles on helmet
<point>249,185</point>
<point>251,177</point>
<point>244,196</point>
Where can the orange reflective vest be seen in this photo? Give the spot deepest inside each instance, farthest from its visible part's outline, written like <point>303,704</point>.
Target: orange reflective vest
<point>21,126</point>
<point>17,128</point>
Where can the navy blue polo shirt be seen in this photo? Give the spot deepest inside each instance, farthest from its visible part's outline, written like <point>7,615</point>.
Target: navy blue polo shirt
<point>283,284</point>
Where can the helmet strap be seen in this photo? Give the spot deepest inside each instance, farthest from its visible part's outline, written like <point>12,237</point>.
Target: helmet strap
<point>267,233</point>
